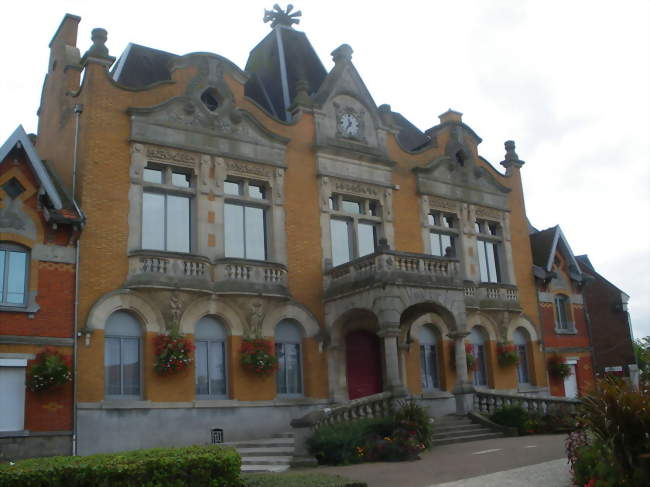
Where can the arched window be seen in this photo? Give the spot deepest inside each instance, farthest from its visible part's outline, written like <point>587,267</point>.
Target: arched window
<point>429,359</point>
<point>288,339</point>
<point>14,262</point>
<point>520,338</point>
<point>477,340</point>
<point>562,313</point>
<point>210,355</point>
<point>122,355</point>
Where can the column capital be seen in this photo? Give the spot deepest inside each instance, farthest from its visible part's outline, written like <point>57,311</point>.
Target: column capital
<point>457,335</point>
<point>388,332</point>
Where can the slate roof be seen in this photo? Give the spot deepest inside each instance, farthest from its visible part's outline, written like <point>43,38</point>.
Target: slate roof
<point>61,207</point>
<point>410,137</point>
<point>140,66</point>
<point>282,45</point>
<point>541,244</point>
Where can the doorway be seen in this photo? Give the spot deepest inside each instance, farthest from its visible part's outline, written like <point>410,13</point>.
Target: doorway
<point>363,359</point>
<point>570,381</point>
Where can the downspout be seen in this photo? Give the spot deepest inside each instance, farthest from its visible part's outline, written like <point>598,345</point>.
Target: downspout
<point>78,108</point>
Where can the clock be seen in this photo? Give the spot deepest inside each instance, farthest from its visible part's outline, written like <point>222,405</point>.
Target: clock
<point>349,125</point>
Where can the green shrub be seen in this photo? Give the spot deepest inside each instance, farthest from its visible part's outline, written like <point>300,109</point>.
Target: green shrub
<point>345,443</point>
<point>513,416</point>
<point>591,465</point>
<point>618,418</point>
<point>298,480</point>
<point>158,467</point>
<point>401,436</point>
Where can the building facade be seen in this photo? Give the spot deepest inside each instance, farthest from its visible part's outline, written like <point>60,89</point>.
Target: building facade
<point>39,226</point>
<point>566,333</point>
<point>278,202</point>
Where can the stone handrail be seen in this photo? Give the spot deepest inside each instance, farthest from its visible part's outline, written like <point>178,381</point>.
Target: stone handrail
<point>491,295</point>
<point>488,402</point>
<point>391,266</point>
<point>191,271</point>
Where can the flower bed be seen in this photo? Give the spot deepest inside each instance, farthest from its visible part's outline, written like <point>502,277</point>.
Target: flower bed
<point>173,353</point>
<point>256,355</point>
<point>50,369</point>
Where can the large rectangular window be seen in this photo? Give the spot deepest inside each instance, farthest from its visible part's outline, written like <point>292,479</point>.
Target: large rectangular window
<point>13,275</point>
<point>288,376</point>
<point>210,368</point>
<point>354,226</point>
<point>442,233</point>
<point>165,222</point>
<point>122,366</point>
<point>245,231</point>
<point>488,241</point>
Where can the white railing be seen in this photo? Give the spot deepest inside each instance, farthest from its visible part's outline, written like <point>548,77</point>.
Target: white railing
<point>488,402</point>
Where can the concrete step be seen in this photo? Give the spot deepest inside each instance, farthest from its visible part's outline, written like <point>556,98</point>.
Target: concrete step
<point>270,443</point>
<point>265,451</point>
<point>465,438</point>
<point>283,435</point>
<point>461,432</point>
<point>270,460</point>
<point>456,427</point>
<point>264,468</point>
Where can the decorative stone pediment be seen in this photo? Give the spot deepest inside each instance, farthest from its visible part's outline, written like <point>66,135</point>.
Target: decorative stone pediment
<point>207,120</point>
<point>449,178</point>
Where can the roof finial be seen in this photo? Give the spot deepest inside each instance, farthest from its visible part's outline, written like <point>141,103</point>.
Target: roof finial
<point>277,16</point>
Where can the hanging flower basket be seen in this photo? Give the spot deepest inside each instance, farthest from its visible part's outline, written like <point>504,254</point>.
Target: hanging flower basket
<point>507,354</point>
<point>469,357</point>
<point>557,367</point>
<point>50,369</point>
<point>173,353</point>
<point>256,355</point>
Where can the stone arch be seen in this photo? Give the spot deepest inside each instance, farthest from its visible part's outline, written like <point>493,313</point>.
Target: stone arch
<point>339,325</point>
<point>425,319</point>
<point>125,299</point>
<point>521,322</point>
<point>210,305</point>
<point>484,321</point>
<point>293,311</point>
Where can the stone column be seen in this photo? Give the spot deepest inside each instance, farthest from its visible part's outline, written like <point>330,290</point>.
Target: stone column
<point>463,389</point>
<point>391,359</point>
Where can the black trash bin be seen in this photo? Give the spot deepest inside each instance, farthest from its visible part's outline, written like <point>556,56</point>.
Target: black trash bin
<point>216,435</point>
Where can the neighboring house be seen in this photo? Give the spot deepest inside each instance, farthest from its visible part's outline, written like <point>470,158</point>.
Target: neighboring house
<point>39,225</point>
<point>565,331</point>
<point>277,201</point>
<point>611,332</point>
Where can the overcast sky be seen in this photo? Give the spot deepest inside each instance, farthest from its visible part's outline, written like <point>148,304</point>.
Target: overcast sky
<point>567,80</point>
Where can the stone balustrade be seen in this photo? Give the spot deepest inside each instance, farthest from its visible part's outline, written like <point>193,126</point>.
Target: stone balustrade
<point>392,267</point>
<point>487,402</point>
<point>492,296</point>
<point>162,269</point>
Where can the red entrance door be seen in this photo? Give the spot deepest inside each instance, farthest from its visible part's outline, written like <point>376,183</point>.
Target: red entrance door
<point>363,364</point>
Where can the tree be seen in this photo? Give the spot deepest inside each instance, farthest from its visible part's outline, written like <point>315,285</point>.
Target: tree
<point>642,353</point>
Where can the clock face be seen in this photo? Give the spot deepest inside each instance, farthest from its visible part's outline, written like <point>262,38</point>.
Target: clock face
<point>348,125</point>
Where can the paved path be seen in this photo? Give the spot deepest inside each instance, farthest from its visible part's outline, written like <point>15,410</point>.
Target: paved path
<point>473,464</point>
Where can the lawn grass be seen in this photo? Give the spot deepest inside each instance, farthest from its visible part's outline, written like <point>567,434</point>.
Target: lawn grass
<point>298,479</point>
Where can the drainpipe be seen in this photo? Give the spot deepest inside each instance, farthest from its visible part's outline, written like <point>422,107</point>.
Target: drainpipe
<point>78,108</point>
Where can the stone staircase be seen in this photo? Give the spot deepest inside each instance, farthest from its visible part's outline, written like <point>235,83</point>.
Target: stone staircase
<point>460,429</point>
<point>265,455</point>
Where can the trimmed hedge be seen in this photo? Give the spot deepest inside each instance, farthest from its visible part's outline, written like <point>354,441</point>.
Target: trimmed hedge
<point>158,467</point>
<point>298,480</point>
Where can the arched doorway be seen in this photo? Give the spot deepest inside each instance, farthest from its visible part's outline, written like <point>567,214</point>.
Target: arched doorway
<point>363,359</point>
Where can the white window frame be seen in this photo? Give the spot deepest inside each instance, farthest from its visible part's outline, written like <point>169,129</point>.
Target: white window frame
<point>140,348</point>
<point>8,247</point>
<point>245,200</point>
<point>566,326</point>
<point>353,220</point>
<point>438,229</point>
<point>485,235</point>
<point>166,188</point>
<point>16,363</point>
